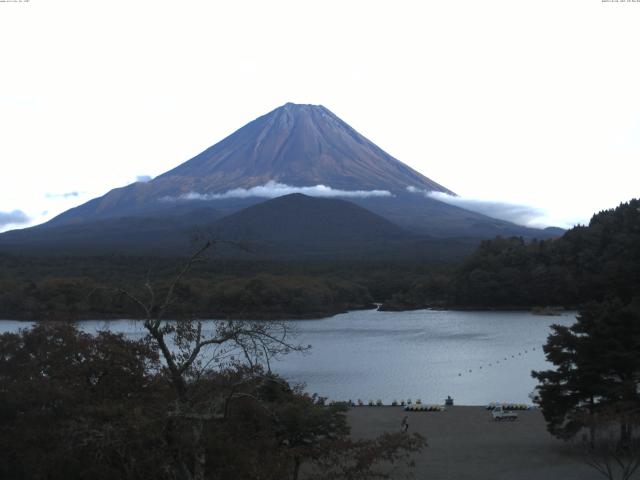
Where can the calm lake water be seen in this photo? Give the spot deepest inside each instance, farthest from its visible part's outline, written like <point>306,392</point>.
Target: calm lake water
<point>476,357</point>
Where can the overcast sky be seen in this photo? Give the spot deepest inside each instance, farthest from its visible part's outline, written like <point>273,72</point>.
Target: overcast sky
<point>533,103</point>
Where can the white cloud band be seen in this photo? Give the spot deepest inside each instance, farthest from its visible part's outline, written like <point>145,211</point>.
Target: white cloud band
<point>519,214</point>
<point>273,189</point>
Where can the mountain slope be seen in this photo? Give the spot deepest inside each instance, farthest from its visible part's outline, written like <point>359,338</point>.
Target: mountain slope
<point>126,235</point>
<point>300,220</point>
<point>299,227</point>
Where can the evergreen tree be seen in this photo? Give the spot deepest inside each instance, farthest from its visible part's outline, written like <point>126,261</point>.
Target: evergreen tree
<point>597,370</point>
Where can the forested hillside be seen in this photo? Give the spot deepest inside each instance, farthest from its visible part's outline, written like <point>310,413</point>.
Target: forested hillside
<point>588,263</point>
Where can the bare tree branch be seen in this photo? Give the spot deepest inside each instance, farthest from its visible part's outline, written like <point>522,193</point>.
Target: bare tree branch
<point>182,347</point>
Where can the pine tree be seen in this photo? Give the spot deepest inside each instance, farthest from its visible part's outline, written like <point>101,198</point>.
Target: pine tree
<point>597,371</point>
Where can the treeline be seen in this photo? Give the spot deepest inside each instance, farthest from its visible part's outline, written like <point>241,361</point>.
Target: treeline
<point>588,263</point>
<point>259,296</point>
<point>59,287</point>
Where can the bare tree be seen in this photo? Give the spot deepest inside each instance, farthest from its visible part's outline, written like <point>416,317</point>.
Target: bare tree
<point>189,351</point>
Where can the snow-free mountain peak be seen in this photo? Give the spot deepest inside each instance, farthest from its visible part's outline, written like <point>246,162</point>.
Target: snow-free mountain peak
<point>298,145</point>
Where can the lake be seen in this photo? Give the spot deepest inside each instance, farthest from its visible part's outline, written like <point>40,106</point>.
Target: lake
<point>476,357</point>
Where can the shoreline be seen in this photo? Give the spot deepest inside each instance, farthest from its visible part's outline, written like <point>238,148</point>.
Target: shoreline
<point>312,316</point>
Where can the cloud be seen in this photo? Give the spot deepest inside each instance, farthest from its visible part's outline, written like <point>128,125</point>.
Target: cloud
<point>63,195</point>
<point>16,217</point>
<point>143,178</point>
<point>273,189</point>
<point>519,214</point>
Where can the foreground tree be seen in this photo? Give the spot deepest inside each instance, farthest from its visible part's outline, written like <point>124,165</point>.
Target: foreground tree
<point>294,435</point>
<point>597,370</point>
<point>73,405</point>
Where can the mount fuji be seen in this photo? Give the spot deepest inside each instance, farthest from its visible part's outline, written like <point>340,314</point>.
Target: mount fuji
<point>294,149</point>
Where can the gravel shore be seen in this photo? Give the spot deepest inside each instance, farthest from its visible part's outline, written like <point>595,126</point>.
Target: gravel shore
<point>465,443</point>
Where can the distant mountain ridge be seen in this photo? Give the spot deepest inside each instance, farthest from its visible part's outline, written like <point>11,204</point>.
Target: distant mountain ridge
<point>289,227</point>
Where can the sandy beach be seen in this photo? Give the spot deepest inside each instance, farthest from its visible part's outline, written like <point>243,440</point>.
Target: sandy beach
<point>465,443</point>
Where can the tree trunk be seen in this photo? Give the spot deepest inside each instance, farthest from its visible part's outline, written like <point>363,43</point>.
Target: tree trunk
<point>625,434</point>
<point>592,424</point>
<point>296,468</point>
<point>200,453</point>
<point>181,469</point>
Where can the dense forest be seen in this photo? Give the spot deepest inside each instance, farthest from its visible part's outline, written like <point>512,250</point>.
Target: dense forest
<point>587,263</point>
<point>92,287</point>
<point>261,296</point>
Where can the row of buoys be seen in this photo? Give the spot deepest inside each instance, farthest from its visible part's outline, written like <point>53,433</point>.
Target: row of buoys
<point>519,354</point>
<point>509,406</point>
<point>377,403</point>
<point>416,407</point>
